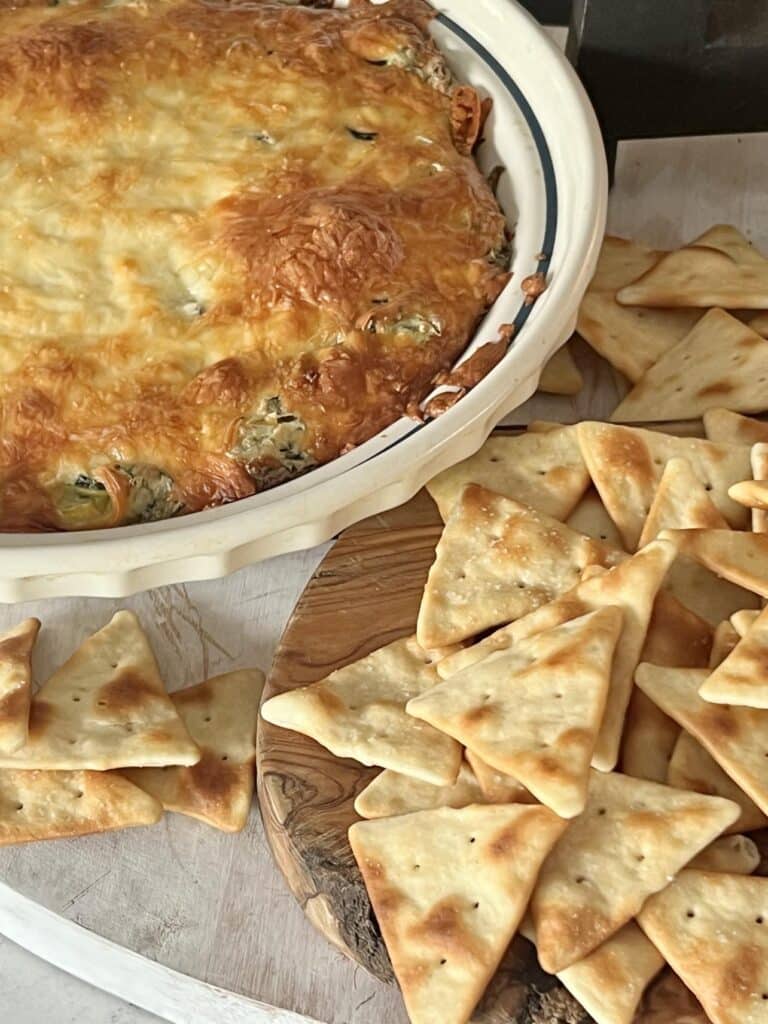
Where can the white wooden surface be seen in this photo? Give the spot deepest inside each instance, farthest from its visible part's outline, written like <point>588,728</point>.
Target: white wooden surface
<point>214,906</point>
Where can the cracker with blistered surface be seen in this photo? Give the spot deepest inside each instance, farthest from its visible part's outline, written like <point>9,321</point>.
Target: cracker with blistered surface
<point>626,465</point>
<point>391,793</point>
<point>449,888</point>
<point>220,715</point>
<point>712,929</point>
<point>682,502</point>
<point>632,586</point>
<point>359,711</point>
<point>631,839</point>
<point>724,640</point>
<point>497,787</point>
<point>719,268</point>
<point>728,427</point>
<point>691,767</point>
<point>721,362</point>
<point>16,683</point>
<point>742,678</point>
<point>534,710</point>
<point>737,738</point>
<point>734,855</point>
<point>610,982</point>
<point>496,561</point>
<point>106,707</point>
<point>675,637</point>
<point>545,470</point>
<point>631,339</point>
<point>737,556</point>
<point>56,804</point>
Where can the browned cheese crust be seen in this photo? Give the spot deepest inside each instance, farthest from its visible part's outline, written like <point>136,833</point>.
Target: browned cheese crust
<point>236,240</point>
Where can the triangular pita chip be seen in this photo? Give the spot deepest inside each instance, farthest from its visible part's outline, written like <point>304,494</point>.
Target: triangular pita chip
<point>609,983</point>
<point>544,470</point>
<point>630,339</point>
<point>691,767</point>
<point>759,323</point>
<point>751,493</point>
<point>626,465</point>
<point>741,678</point>
<point>744,620</point>
<point>754,493</point>
<point>720,268</point>
<point>16,683</point>
<point>561,375</point>
<point>735,855</point>
<point>220,715</point>
<point>496,561</point>
<point>631,839</point>
<point>737,556</point>
<point>737,738</point>
<point>449,888</point>
<point>391,793</point>
<point>725,639</point>
<point>590,518</point>
<point>675,637</point>
<point>712,929</point>
<point>721,360</point>
<point>497,787</point>
<point>534,711</point>
<point>726,427</point>
<point>649,739</point>
<point>106,707</point>
<point>359,712</point>
<point>682,502</point>
<point>631,586</point>
<point>54,805</point>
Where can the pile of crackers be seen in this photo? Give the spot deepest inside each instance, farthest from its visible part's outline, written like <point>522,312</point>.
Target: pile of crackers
<point>575,740</point>
<point>688,328</point>
<point>103,746</point>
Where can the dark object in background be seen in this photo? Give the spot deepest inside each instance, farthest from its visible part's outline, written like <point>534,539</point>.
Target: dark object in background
<point>672,67</point>
<point>550,12</point>
<point>657,68</point>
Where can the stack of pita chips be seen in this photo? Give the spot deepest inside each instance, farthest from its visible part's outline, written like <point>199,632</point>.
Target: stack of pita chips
<point>687,328</point>
<point>107,708</point>
<point>560,766</point>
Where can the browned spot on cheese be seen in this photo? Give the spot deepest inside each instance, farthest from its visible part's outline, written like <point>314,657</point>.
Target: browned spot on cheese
<point>223,383</point>
<point>468,115</point>
<point>316,245</point>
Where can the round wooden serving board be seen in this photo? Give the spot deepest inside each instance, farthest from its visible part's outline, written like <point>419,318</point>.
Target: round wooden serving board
<point>365,594</point>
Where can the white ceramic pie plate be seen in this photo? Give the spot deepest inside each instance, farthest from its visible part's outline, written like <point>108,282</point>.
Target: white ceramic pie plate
<point>543,131</point>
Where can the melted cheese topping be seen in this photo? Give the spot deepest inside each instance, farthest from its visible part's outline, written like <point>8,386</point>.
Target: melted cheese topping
<point>236,239</point>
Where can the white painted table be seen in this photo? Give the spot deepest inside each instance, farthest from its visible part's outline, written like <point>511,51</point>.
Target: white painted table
<point>215,906</point>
